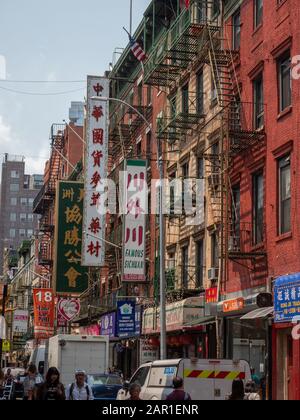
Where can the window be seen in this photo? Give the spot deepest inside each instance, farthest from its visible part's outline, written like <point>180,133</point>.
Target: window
<point>215,8</point>
<point>13,217</point>
<point>140,94</point>
<point>139,150</point>
<point>172,177</point>
<point>200,168</point>
<point>140,376</point>
<point>12,233</point>
<point>214,250</point>
<point>185,175</point>
<point>14,174</point>
<point>214,96</point>
<point>258,102</point>
<point>23,201</point>
<point>149,139</point>
<point>200,93</point>
<point>285,82</point>
<point>258,208</point>
<point>199,264</point>
<point>23,217</point>
<point>236,216</point>
<point>14,187</point>
<point>29,233</point>
<point>30,201</point>
<point>185,267</point>
<point>185,99</point>
<point>236,27</point>
<point>13,201</point>
<point>149,95</point>
<point>258,13</point>
<point>284,167</point>
<point>22,233</point>
<point>30,217</point>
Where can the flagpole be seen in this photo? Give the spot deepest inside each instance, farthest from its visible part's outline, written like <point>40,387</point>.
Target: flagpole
<point>130,20</point>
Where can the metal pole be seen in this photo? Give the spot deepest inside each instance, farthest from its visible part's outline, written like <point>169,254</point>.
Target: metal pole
<point>163,336</point>
<point>130,21</point>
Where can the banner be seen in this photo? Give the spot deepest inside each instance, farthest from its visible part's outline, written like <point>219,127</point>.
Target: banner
<point>69,276</point>
<point>43,302</point>
<point>95,172</point>
<point>136,202</point>
<point>20,322</point>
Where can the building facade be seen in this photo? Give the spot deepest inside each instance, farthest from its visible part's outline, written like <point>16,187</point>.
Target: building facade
<point>18,192</point>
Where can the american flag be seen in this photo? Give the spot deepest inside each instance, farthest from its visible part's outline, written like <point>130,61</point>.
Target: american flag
<point>137,50</point>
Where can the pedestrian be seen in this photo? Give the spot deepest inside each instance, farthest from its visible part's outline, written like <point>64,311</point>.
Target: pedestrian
<point>237,391</point>
<point>9,377</point>
<point>179,393</point>
<point>52,389</point>
<point>79,390</point>
<point>32,380</point>
<point>135,391</point>
<point>251,393</point>
<point>123,393</point>
<point>2,381</point>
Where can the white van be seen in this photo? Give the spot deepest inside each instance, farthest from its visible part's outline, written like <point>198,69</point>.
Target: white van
<point>203,379</point>
<point>37,358</point>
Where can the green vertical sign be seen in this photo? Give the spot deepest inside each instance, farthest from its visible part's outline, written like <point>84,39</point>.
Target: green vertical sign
<point>69,275</point>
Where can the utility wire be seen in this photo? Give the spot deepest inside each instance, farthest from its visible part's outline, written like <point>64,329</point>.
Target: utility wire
<point>40,94</point>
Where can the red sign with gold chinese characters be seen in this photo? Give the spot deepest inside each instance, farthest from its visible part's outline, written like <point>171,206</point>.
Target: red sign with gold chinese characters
<point>211,295</point>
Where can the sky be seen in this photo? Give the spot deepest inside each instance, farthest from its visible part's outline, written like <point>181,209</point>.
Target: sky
<point>53,40</point>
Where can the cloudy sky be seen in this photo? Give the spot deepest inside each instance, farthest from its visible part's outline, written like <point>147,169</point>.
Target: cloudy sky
<point>54,40</point>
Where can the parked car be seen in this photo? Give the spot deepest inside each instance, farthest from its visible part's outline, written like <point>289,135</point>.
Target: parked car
<point>105,386</point>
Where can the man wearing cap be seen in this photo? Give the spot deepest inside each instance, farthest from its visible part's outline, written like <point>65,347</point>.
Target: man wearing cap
<point>79,390</point>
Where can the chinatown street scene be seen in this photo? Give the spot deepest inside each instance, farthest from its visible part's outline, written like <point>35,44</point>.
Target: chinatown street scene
<point>150,200</point>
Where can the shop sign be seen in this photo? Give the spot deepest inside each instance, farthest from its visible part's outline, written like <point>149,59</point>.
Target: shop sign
<point>20,322</point>
<point>126,319</point>
<point>90,330</point>
<point>108,325</point>
<point>211,295</point>
<point>136,198</point>
<point>44,305</point>
<point>69,275</point>
<point>95,173</point>
<point>233,305</point>
<point>5,346</point>
<point>287,302</point>
<point>148,353</point>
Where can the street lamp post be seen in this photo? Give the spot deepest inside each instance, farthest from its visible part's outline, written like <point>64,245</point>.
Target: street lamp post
<point>163,341</point>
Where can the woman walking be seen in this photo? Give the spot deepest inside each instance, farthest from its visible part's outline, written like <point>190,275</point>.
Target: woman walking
<point>52,389</point>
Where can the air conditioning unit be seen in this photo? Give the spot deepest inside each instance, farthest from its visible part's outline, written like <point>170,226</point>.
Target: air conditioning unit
<point>213,274</point>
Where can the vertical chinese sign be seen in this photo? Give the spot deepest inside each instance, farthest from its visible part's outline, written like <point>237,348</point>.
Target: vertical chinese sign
<point>69,276</point>
<point>43,303</point>
<point>95,172</point>
<point>136,202</point>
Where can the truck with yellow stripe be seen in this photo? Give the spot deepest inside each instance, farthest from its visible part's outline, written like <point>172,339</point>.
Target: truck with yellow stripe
<point>203,379</point>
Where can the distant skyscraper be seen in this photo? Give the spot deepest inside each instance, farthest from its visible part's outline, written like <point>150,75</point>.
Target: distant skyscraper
<point>18,190</point>
<point>76,113</point>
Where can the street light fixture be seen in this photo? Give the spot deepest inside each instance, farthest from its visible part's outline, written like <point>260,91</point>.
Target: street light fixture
<point>163,341</point>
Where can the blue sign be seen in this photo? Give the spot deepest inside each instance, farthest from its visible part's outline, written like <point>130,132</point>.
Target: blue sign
<point>108,325</point>
<point>287,298</point>
<point>126,319</point>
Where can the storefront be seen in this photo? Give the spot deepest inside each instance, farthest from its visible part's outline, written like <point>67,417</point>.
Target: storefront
<point>286,343</point>
<point>245,334</point>
<point>189,332</point>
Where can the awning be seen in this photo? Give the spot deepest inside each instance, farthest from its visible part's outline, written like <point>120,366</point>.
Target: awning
<point>179,315</point>
<point>260,313</point>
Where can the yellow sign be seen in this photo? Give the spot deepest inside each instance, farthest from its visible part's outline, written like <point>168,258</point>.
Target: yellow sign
<point>5,346</point>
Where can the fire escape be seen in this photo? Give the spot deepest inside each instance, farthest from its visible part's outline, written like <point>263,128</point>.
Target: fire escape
<point>44,202</point>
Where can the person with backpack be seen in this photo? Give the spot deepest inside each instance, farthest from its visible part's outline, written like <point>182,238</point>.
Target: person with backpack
<point>79,390</point>
<point>179,393</point>
<point>52,389</point>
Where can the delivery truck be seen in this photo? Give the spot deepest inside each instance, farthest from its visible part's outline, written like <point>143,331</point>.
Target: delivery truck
<point>203,379</point>
<point>71,352</point>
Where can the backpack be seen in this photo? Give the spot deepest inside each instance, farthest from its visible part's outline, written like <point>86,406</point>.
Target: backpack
<point>72,390</point>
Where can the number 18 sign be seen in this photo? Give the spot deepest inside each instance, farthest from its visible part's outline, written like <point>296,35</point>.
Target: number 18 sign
<point>43,300</point>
